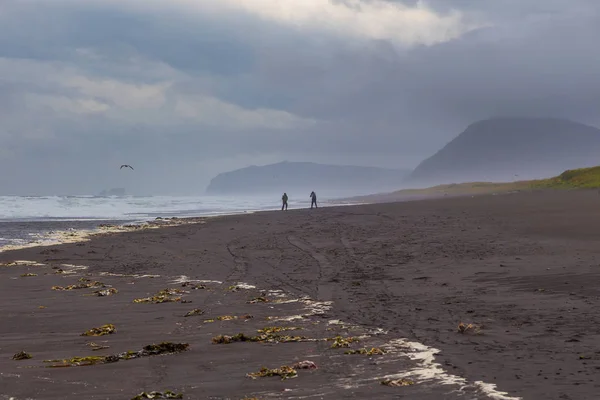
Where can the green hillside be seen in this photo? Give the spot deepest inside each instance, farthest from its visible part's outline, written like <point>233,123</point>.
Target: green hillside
<point>572,179</point>
<point>583,178</point>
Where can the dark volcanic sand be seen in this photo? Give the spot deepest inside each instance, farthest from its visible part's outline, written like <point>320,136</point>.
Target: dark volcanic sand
<point>523,266</point>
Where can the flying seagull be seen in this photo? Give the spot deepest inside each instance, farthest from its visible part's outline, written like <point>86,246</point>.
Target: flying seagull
<point>126,166</point>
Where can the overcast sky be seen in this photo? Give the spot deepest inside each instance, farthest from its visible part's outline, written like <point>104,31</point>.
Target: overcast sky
<point>185,89</point>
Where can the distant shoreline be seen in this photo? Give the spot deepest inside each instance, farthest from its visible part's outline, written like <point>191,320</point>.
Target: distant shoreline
<point>105,226</point>
<point>580,179</point>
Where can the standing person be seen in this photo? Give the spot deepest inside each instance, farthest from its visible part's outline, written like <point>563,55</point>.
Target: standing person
<point>284,200</point>
<point>313,202</point>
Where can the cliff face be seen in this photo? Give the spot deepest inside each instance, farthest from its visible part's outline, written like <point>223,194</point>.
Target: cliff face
<point>504,149</point>
<point>305,177</point>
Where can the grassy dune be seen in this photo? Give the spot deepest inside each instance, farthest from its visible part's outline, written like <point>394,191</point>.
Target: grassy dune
<point>583,178</point>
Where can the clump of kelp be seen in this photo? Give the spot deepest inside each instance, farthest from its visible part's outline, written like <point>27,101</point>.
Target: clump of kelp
<point>397,382</point>
<point>106,292</point>
<point>84,284</point>
<point>240,337</point>
<point>147,351</point>
<point>240,286</point>
<point>285,372</point>
<point>266,335</point>
<point>340,342</point>
<point>469,328</point>
<point>21,263</point>
<point>195,311</point>
<point>270,330</point>
<point>167,394</point>
<point>226,318</point>
<point>260,299</point>
<point>375,351</point>
<point>108,329</point>
<point>193,286</point>
<point>96,347</point>
<point>230,318</point>
<point>28,275</point>
<point>163,296</point>
<point>22,356</point>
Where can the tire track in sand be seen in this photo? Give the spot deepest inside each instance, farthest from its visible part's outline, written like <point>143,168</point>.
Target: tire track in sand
<point>240,268</point>
<point>326,274</point>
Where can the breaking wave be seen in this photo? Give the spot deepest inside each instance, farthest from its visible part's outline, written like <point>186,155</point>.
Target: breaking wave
<point>44,208</point>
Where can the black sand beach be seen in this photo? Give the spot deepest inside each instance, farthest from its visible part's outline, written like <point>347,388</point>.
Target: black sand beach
<point>523,269</point>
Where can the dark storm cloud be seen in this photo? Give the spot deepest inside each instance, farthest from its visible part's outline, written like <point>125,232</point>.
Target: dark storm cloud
<point>54,32</point>
<point>187,92</point>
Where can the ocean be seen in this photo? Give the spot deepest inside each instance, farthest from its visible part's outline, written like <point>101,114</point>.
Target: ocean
<point>33,219</point>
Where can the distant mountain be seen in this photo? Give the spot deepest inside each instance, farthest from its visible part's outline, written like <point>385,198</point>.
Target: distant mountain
<point>506,149</point>
<point>292,177</point>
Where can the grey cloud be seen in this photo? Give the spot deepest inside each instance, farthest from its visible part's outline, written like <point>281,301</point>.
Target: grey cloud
<point>55,32</point>
<point>375,103</point>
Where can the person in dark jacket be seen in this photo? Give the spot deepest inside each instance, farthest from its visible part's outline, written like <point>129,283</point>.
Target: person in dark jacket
<point>284,200</point>
<point>313,200</point>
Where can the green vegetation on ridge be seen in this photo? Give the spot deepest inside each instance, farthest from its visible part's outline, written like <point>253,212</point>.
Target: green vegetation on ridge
<point>582,178</point>
<point>576,178</point>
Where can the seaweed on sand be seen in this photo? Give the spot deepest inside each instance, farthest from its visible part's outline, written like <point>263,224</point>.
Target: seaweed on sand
<point>264,337</point>
<point>21,263</point>
<point>285,372</point>
<point>240,337</point>
<point>260,299</point>
<point>22,356</point>
<point>163,296</point>
<point>108,329</point>
<point>78,361</point>
<point>269,330</point>
<point>164,348</point>
<point>240,286</point>
<point>397,382</point>
<point>375,351</point>
<point>275,338</point>
<point>106,292</point>
<point>229,318</point>
<point>272,334</point>
<point>195,311</point>
<point>167,394</point>
<point>27,275</point>
<point>96,347</point>
<point>340,342</point>
<point>193,286</point>
<point>468,328</point>
<point>147,351</point>
<point>85,284</point>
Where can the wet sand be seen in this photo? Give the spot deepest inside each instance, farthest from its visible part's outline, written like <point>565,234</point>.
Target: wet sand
<point>522,268</point>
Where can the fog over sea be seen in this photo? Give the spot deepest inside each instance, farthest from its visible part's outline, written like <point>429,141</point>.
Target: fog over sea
<point>27,219</point>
